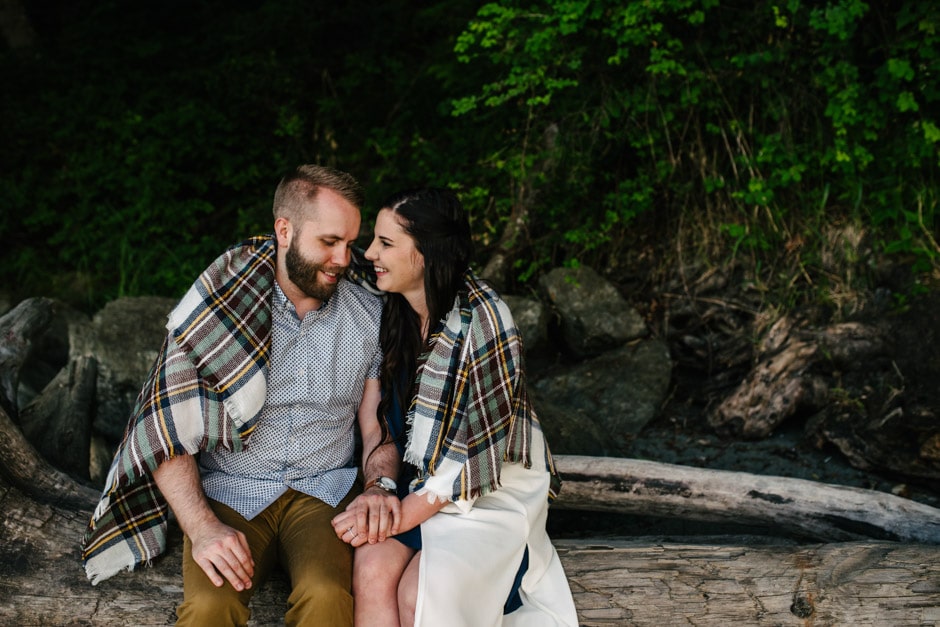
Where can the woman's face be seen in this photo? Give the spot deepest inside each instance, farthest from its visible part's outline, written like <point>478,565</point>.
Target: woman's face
<point>399,267</point>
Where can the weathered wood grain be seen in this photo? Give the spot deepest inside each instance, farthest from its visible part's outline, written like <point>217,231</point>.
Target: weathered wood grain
<point>857,583</point>
<point>814,510</point>
<point>641,581</point>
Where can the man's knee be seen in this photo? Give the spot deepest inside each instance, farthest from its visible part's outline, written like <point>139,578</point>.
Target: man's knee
<point>204,603</point>
<point>213,609</point>
<point>318,601</point>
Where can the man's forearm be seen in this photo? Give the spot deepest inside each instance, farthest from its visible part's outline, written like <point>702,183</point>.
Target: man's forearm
<point>383,461</point>
<point>178,480</point>
<point>219,550</point>
<point>379,459</point>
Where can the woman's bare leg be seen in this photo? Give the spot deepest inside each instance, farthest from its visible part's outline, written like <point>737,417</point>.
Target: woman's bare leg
<point>408,592</point>
<point>377,570</point>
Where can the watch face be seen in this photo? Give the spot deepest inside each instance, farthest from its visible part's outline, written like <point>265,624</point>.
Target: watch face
<point>386,484</point>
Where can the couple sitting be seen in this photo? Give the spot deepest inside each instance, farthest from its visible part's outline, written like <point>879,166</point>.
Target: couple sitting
<point>272,356</point>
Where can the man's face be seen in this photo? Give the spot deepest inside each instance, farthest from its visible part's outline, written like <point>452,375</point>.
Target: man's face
<point>319,249</point>
<point>306,273</point>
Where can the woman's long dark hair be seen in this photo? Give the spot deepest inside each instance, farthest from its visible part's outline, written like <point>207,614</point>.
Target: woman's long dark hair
<point>437,221</point>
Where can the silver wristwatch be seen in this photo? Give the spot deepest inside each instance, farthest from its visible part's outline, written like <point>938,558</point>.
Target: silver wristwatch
<point>386,483</point>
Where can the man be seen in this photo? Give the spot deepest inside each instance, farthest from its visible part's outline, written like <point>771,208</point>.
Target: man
<point>271,355</point>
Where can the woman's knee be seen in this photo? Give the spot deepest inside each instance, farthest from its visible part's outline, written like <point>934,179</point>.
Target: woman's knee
<point>374,568</point>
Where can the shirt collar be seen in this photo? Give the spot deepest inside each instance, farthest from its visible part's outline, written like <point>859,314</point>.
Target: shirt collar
<point>281,304</point>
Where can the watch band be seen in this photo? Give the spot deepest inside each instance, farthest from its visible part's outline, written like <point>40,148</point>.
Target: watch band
<point>385,483</point>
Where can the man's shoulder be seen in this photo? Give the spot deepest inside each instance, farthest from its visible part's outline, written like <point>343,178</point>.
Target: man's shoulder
<point>353,295</point>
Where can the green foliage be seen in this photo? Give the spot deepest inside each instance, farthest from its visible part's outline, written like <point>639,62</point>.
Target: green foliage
<point>142,139</point>
<point>764,122</point>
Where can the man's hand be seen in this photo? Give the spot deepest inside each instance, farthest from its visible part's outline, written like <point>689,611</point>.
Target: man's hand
<point>218,549</point>
<point>372,517</point>
<point>223,552</point>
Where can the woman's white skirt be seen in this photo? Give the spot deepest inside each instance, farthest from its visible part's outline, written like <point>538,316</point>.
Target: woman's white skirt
<point>470,559</point>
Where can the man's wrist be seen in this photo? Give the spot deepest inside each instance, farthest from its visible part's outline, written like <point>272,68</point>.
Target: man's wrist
<point>386,484</point>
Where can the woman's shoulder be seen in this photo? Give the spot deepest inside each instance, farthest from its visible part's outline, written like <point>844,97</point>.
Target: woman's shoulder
<point>485,302</point>
<point>480,291</point>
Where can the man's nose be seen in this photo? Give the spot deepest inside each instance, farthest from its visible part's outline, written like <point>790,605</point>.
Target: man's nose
<point>342,255</point>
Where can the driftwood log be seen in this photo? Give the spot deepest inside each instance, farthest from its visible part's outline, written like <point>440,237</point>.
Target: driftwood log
<point>804,508</point>
<point>614,581</point>
<point>784,382</point>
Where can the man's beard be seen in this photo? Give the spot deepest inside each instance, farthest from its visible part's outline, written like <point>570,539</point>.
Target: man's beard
<point>303,274</point>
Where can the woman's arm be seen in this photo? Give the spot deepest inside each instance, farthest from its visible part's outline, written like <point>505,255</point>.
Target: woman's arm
<point>415,509</point>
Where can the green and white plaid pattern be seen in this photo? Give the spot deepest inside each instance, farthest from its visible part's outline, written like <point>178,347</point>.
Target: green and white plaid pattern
<point>471,411</point>
<point>204,392</point>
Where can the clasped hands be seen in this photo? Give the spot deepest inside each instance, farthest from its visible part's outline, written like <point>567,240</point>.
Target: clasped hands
<point>372,517</point>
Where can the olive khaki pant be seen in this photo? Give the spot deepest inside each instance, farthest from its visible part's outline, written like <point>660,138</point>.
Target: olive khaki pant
<point>294,531</point>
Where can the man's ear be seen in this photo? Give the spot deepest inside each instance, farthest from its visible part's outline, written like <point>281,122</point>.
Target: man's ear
<point>283,230</point>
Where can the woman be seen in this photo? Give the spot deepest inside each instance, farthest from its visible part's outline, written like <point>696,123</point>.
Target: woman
<point>482,472</point>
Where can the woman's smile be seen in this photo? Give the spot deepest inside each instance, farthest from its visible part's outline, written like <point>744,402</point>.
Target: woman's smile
<point>399,266</point>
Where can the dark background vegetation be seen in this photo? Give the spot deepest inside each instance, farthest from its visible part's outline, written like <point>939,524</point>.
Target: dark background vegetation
<point>141,138</point>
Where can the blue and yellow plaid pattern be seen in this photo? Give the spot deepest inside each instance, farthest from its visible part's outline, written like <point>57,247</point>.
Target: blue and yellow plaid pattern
<point>471,411</point>
<point>204,392</point>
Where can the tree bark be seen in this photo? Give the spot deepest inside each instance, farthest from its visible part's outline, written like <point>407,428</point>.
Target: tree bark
<point>525,194</point>
<point>640,581</point>
<point>19,328</point>
<point>643,581</point>
<point>784,382</point>
<point>23,469</point>
<point>58,421</point>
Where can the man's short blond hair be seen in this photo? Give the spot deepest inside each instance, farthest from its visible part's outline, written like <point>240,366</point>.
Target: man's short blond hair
<point>296,194</point>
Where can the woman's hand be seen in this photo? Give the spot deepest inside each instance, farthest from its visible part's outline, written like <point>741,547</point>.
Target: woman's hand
<point>344,526</point>
<point>372,517</point>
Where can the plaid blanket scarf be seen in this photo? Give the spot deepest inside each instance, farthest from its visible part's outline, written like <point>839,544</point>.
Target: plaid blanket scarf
<point>471,411</point>
<point>205,392</point>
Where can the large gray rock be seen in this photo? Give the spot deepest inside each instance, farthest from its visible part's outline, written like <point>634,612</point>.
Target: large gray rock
<point>125,337</point>
<point>594,316</point>
<point>598,406</point>
<point>531,318</point>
